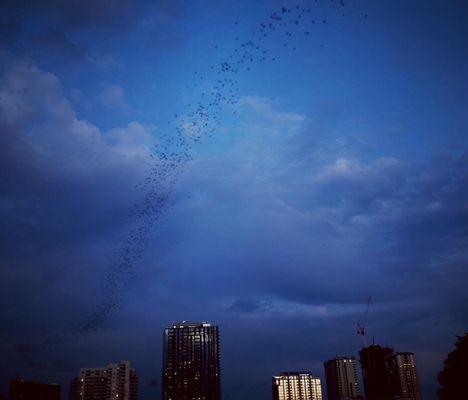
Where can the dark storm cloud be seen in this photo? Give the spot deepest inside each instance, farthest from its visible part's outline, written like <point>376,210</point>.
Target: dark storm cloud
<point>65,186</point>
<point>52,161</point>
<point>296,233</point>
<point>249,306</point>
<point>44,30</point>
<point>76,14</point>
<point>9,28</point>
<point>59,31</point>
<point>57,43</point>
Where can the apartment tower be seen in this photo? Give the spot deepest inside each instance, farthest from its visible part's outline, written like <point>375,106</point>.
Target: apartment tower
<point>191,364</point>
<point>296,386</point>
<point>115,382</point>
<point>402,376</point>
<point>342,378</point>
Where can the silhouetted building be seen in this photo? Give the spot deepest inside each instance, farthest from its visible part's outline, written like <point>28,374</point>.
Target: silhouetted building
<point>402,376</point>
<point>374,372</point>
<point>116,381</point>
<point>342,378</point>
<point>191,364</point>
<point>21,389</point>
<point>296,386</point>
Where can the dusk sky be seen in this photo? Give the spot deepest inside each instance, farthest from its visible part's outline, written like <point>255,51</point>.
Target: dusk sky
<point>179,160</point>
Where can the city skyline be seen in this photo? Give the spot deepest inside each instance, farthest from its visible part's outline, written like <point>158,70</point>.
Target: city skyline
<point>266,165</point>
<point>191,370</point>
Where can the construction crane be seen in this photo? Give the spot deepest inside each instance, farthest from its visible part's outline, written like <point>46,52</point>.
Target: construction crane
<point>361,325</point>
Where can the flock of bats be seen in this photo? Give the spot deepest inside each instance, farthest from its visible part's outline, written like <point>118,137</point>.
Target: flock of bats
<point>175,148</point>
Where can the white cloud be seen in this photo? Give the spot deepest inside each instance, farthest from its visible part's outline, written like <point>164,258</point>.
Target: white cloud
<point>46,127</point>
<point>133,140</point>
<point>53,162</point>
<point>27,93</point>
<point>113,96</point>
<point>354,170</point>
<point>267,108</point>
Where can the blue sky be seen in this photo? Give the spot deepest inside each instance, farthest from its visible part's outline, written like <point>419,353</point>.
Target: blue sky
<point>337,171</point>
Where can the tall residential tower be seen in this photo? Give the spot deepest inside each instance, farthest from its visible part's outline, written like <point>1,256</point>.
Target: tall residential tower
<point>342,378</point>
<point>388,375</point>
<point>403,377</point>
<point>191,364</point>
<point>374,372</point>
<point>114,382</point>
<point>296,386</point>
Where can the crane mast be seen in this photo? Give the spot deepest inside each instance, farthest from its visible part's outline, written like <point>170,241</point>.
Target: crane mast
<point>361,325</point>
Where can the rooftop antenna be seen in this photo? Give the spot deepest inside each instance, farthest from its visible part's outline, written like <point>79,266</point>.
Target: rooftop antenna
<point>361,325</point>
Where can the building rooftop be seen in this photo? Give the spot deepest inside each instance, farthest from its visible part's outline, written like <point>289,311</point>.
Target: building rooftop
<point>342,358</point>
<point>295,373</point>
<point>187,324</point>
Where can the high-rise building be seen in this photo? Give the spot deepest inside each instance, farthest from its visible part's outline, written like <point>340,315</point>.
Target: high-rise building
<point>21,389</point>
<point>403,377</point>
<point>342,378</point>
<point>296,386</point>
<point>115,382</point>
<point>191,364</point>
<point>374,372</point>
